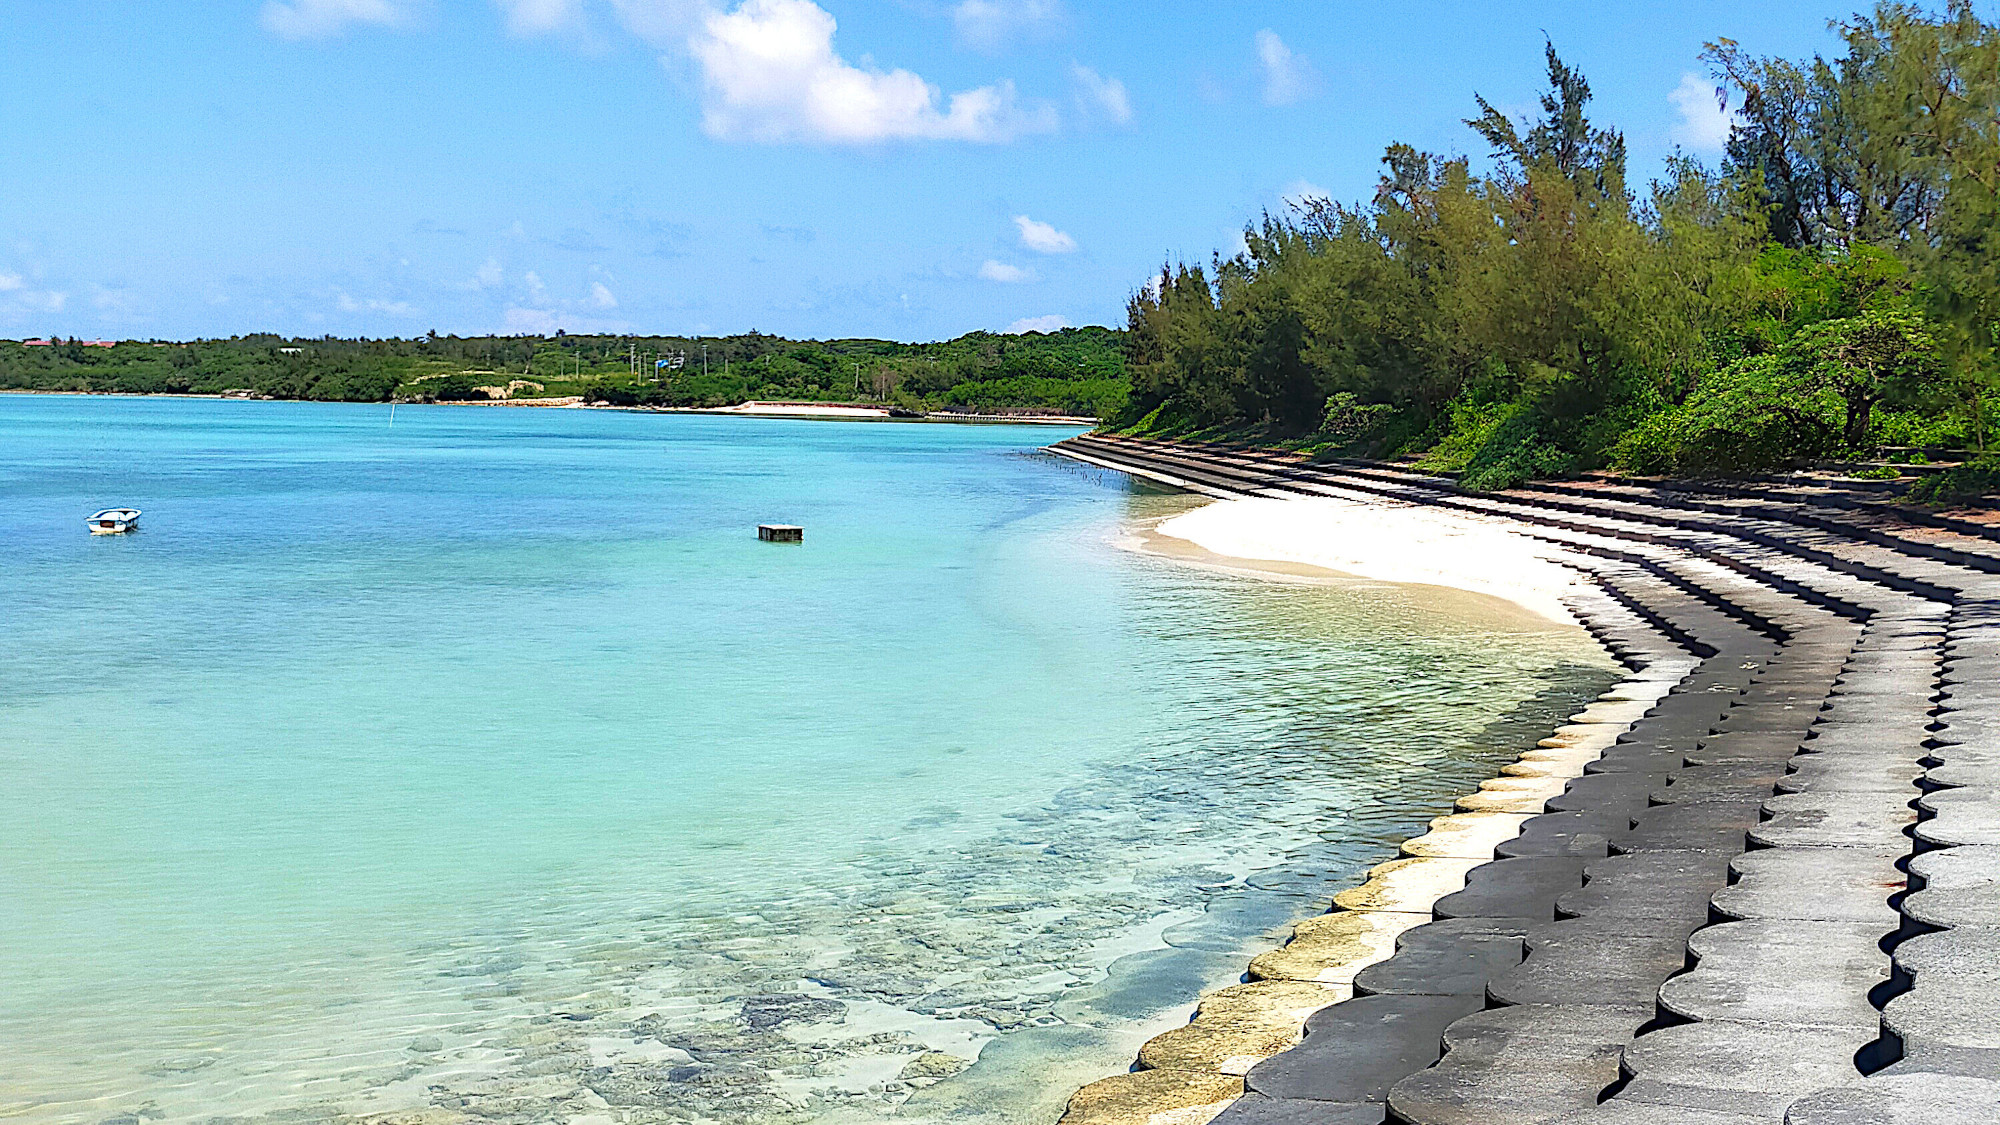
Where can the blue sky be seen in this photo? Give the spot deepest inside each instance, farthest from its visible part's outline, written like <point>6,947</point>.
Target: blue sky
<point>911,169</point>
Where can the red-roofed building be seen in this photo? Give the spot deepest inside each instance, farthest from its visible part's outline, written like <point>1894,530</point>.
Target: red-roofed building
<point>38,343</point>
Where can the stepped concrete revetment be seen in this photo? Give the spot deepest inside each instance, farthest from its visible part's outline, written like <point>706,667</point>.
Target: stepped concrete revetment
<point>1757,882</point>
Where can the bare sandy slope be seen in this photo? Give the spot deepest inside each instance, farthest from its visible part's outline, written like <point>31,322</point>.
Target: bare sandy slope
<point>1386,541</point>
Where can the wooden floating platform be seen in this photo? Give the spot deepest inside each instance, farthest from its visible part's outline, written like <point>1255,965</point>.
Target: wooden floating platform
<point>780,533</point>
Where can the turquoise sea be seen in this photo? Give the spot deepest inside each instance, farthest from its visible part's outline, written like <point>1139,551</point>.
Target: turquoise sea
<point>487,765</point>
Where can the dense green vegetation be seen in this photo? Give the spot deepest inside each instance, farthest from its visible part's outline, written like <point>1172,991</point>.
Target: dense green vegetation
<point>1074,371</point>
<point>1832,287</point>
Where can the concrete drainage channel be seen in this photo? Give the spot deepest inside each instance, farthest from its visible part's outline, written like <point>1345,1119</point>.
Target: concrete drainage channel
<point>1759,881</point>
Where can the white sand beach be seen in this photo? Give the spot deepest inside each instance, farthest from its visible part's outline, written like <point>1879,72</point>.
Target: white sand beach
<point>1386,541</point>
<point>804,410</point>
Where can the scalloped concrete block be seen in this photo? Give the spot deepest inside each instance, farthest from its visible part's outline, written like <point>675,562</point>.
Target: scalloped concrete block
<point>1835,820</point>
<point>1960,817</point>
<point>1749,1060</point>
<point>1814,884</point>
<point>1902,1099</point>
<point>1407,885</point>
<point>1808,974</point>
<point>1956,887</point>
<point>1240,1026</point>
<point>1465,835</point>
<point>1153,1097</point>
<point>1519,1065</point>
<point>1621,712</point>
<point>1331,948</point>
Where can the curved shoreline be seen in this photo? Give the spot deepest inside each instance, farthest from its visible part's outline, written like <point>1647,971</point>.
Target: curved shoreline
<point>816,412</point>
<point>1190,1074</point>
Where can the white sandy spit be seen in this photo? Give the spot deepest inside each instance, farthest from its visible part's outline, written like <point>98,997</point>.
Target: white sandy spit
<point>1386,541</point>
<point>805,410</point>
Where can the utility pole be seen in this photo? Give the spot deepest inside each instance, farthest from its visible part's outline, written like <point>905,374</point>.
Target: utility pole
<point>704,361</point>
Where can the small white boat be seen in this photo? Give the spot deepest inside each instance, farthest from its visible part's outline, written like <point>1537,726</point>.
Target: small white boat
<point>113,521</point>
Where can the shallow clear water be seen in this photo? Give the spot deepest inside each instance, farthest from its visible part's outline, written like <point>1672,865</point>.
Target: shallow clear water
<point>487,762</point>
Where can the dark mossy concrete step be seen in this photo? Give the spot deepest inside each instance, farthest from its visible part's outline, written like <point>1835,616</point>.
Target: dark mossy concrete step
<point>1525,887</point>
<point>1354,1052</point>
<point>1520,1065</point>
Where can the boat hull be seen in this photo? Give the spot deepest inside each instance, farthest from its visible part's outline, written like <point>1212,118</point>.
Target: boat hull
<point>113,521</point>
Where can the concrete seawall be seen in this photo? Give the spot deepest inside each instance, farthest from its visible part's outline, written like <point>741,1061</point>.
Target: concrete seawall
<point>1759,881</point>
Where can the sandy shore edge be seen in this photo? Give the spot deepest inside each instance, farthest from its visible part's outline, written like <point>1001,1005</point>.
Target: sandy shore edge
<point>1385,540</point>
<point>1388,542</point>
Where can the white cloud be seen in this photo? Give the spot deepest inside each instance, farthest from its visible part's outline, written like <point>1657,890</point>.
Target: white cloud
<point>1004,273</point>
<point>316,19</point>
<point>991,25</point>
<point>770,73</point>
<point>1050,323</point>
<point>10,282</point>
<point>1043,238</point>
<point>488,276</point>
<point>1098,96</point>
<point>1705,124</point>
<point>541,17</point>
<point>1287,77</point>
<point>601,296</point>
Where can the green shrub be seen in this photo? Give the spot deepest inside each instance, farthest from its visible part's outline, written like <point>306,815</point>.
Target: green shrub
<point>1753,415</point>
<point>1347,420</point>
<point>455,388</point>
<point>1955,486</point>
<point>1469,427</point>
<point>1912,427</point>
<point>1521,447</point>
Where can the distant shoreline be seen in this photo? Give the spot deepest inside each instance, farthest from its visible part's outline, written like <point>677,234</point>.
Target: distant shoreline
<point>822,412</point>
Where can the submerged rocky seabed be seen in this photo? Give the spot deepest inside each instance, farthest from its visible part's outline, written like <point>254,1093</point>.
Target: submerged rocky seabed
<point>1068,936</point>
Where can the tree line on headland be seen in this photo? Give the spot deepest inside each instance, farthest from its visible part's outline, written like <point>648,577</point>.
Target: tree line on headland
<point>1832,286</point>
<point>1072,371</point>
